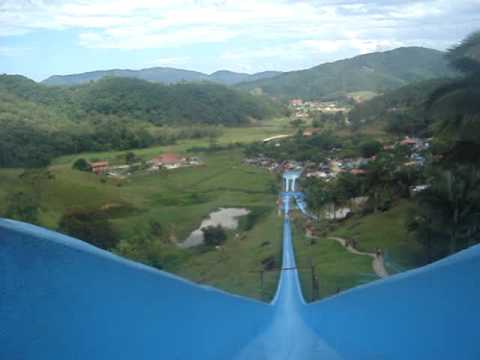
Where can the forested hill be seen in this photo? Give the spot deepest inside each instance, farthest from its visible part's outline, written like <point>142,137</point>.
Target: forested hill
<point>156,103</point>
<point>40,122</point>
<point>377,72</point>
<point>185,102</point>
<point>401,111</point>
<point>232,78</point>
<point>163,75</point>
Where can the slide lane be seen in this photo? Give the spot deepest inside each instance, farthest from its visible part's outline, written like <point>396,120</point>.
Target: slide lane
<point>288,336</point>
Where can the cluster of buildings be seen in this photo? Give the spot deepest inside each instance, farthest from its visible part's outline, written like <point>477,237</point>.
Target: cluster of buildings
<point>166,161</point>
<point>332,167</point>
<point>417,147</point>
<point>302,109</point>
<point>274,165</point>
<point>171,161</point>
<point>416,144</point>
<point>325,170</point>
<point>329,169</point>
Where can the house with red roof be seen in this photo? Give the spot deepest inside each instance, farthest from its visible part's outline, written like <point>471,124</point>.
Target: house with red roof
<point>358,171</point>
<point>168,160</point>
<point>99,167</point>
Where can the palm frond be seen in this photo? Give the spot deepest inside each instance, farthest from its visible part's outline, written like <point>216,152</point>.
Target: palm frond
<point>446,89</point>
<point>466,56</point>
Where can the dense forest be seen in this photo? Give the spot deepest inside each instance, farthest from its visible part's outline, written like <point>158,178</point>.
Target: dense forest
<point>40,122</point>
<point>179,103</point>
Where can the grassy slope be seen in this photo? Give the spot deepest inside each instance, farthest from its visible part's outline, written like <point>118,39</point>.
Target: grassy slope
<point>338,269</point>
<point>334,266</point>
<point>235,269</point>
<point>385,230</point>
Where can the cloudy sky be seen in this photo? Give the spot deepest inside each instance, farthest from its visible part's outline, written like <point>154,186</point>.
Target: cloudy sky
<point>39,38</point>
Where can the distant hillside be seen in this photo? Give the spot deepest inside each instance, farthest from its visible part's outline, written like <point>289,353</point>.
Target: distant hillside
<point>377,72</point>
<point>400,111</point>
<point>159,74</point>
<point>39,122</point>
<point>157,103</point>
<point>232,78</point>
<point>162,104</point>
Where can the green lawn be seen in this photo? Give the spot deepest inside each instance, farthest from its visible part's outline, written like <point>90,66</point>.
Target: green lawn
<point>236,267</point>
<point>364,95</point>
<point>335,268</point>
<point>387,231</point>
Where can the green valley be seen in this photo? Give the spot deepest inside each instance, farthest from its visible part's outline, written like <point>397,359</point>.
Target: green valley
<point>138,168</point>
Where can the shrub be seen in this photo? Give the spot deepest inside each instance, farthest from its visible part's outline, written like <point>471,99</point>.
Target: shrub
<point>81,164</point>
<point>23,207</point>
<point>90,225</point>
<point>370,148</point>
<point>214,235</point>
<point>254,216</point>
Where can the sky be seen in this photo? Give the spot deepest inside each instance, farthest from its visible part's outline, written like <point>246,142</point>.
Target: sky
<point>39,38</point>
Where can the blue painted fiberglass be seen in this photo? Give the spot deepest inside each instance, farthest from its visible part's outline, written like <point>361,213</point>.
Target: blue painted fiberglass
<point>61,298</point>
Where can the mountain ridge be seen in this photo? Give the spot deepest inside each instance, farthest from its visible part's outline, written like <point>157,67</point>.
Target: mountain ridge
<point>377,72</point>
<point>166,75</point>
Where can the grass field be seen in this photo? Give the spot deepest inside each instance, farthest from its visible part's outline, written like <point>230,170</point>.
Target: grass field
<point>387,231</point>
<point>335,268</point>
<point>236,267</point>
<point>229,135</point>
<point>363,95</point>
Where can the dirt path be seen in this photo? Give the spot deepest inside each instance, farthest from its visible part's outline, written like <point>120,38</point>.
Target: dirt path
<point>378,264</point>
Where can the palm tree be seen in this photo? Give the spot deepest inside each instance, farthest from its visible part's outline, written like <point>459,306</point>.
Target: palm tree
<point>451,206</point>
<point>379,180</point>
<point>465,58</point>
<point>456,103</point>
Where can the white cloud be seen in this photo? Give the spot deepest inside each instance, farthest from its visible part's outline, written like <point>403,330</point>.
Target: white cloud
<point>170,61</point>
<point>252,32</point>
<point>13,51</point>
<point>144,38</point>
<point>306,53</point>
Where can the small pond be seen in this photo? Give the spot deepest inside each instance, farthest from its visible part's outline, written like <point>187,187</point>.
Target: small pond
<point>225,217</point>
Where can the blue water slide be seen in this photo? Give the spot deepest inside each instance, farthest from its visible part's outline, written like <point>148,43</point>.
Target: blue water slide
<point>61,298</point>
